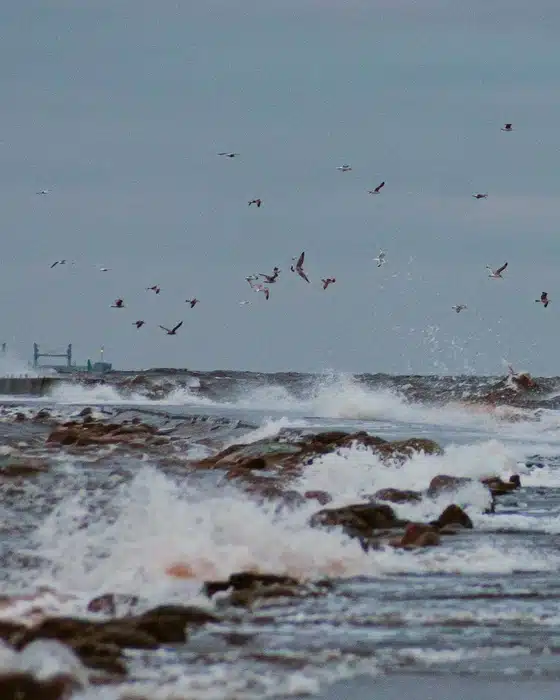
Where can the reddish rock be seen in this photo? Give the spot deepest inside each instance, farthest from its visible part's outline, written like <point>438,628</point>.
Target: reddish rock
<point>445,483</point>
<point>417,535</point>
<point>397,496</point>
<point>322,497</point>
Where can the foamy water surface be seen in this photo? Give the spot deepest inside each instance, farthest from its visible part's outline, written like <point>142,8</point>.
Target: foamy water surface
<point>84,528</point>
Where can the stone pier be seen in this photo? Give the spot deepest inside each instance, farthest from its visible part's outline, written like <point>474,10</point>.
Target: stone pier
<point>27,386</point>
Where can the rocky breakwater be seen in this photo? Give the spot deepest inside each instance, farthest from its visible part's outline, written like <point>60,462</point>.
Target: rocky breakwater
<point>270,468</point>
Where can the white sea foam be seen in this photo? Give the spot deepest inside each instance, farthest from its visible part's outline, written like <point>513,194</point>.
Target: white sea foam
<point>154,523</point>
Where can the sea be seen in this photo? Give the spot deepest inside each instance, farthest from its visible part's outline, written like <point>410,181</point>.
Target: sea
<point>478,614</point>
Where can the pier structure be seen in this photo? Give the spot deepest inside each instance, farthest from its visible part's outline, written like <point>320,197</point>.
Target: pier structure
<point>37,354</point>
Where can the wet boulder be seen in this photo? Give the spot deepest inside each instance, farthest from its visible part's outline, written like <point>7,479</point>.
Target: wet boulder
<point>397,496</point>
<point>361,521</point>
<point>498,487</point>
<point>247,580</point>
<point>443,483</point>
<point>417,535</point>
<point>16,685</point>
<point>455,516</point>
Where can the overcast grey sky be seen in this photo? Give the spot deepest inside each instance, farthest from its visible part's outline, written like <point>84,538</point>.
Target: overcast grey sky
<point>119,107</point>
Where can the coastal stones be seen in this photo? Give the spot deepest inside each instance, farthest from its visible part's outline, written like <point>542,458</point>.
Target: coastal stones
<point>93,432</point>
<point>444,483</point>
<point>397,496</point>
<point>499,488</point>
<point>361,520</point>
<point>285,456</point>
<point>16,685</point>
<point>245,580</point>
<point>417,535</point>
<point>246,588</point>
<point>453,515</point>
<point>100,644</point>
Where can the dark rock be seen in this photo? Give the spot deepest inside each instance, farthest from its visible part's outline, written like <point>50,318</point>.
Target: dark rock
<point>23,686</point>
<point>444,483</point>
<point>10,631</point>
<point>87,411</point>
<point>253,463</point>
<point>20,417</point>
<point>397,496</point>
<point>360,521</point>
<point>245,580</point>
<point>499,488</point>
<point>99,656</point>
<point>41,415</point>
<point>453,515</point>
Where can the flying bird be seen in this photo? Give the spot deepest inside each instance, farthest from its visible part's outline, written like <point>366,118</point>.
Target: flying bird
<point>271,279</point>
<point>299,267</point>
<point>58,262</point>
<point>496,274</point>
<point>326,282</point>
<point>344,168</point>
<point>459,307</point>
<point>380,259</point>
<point>172,331</point>
<point>193,302</point>
<point>104,269</point>
<point>156,288</point>
<point>251,279</point>
<point>243,303</point>
<point>263,289</point>
<point>507,127</point>
<point>480,196</point>
<point>42,192</point>
<point>139,324</point>
<point>258,202</point>
<point>544,300</point>
<point>228,155</point>
<point>118,304</point>
<point>378,189</point>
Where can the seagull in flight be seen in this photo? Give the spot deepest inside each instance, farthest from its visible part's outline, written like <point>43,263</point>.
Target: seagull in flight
<point>172,331</point>
<point>507,127</point>
<point>139,324</point>
<point>480,196</point>
<point>251,279</point>
<point>299,267</point>
<point>544,300</point>
<point>243,303</point>
<point>258,202</point>
<point>344,168</point>
<point>228,155</point>
<point>326,282</point>
<point>271,279</point>
<point>58,262</point>
<point>496,274</point>
<point>118,304</point>
<point>193,302</point>
<point>459,307</point>
<point>42,192</point>
<point>156,288</point>
<point>263,289</point>
<point>104,269</point>
<point>378,189</point>
<point>380,259</point>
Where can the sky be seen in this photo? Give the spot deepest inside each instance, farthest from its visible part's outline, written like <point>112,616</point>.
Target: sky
<point>119,108</point>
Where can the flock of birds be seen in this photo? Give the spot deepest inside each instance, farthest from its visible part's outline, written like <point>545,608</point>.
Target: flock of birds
<point>261,282</point>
